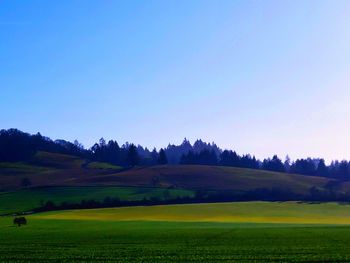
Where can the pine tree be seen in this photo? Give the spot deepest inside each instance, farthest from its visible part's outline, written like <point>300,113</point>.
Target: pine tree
<point>132,157</point>
<point>162,159</point>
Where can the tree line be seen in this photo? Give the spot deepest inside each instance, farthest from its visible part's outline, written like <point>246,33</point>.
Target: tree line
<point>16,145</point>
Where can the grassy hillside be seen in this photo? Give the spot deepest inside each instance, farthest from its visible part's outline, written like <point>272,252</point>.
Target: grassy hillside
<point>57,160</point>
<point>50,169</point>
<point>208,177</point>
<point>100,165</point>
<point>252,212</point>
<point>27,199</point>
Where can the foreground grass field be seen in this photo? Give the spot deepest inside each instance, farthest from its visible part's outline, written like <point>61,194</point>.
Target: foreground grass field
<point>61,237</point>
<point>98,241</point>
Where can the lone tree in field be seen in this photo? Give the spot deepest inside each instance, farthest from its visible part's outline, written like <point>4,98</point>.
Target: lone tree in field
<point>162,157</point>
<point>20,221</point>
<point>26,182</point>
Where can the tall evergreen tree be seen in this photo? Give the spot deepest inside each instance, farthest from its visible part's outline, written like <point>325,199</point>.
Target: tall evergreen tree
<point>274,164</point>
<point>162,157</point>
<point>132,156</point>
<point>322,169</point>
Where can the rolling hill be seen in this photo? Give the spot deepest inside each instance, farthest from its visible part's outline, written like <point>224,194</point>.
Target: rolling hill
<point>50,169</point>
<point>65,178</point>
<point>207,177</point>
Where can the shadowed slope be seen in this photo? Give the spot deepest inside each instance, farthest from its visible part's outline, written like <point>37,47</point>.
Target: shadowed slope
<point>208,177</point>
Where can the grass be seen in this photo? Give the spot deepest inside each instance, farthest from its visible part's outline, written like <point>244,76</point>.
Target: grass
<point>20,168</point>
<point>210,177</point>
<point>252,212</point>
<point>51,169</point>
<point>27,199</point>
<point>47,239</point>
<point>234,232</point>
<point>100,165</point>
<point>57,160</point>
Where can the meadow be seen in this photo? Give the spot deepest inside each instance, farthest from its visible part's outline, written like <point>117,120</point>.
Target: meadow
<point>96,236</point>
<point>238,212</point>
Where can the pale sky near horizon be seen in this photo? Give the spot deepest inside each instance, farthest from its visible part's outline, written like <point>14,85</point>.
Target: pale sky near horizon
<point>259,77</point>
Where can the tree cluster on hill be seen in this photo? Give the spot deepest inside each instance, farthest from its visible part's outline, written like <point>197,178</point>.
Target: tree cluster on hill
<point>203,157</point>
<point>127,155</point>
<point>19,146</point>
<point>230,158</point>
<point>175,153</point>
<point>16,145</point>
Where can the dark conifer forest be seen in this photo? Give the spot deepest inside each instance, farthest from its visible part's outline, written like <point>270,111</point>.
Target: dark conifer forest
<point>16,145</point>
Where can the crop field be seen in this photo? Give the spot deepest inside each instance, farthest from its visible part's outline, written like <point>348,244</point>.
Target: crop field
<point>27,199</point>
<point>239,212</point>
<point>52,237</point>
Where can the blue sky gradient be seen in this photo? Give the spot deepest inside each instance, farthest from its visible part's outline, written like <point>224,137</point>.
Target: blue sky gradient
<point>261,77</point>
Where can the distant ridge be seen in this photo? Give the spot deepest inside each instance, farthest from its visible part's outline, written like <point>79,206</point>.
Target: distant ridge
<point>17,146</point>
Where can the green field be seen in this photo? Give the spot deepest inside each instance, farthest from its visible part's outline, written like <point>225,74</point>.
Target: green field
<point>53,237</point>
<point>233,232</point>
<point>238,212</point>
<point>27,199</point>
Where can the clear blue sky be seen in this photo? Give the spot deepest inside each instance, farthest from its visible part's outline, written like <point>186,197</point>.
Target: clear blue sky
<point>260,77</point>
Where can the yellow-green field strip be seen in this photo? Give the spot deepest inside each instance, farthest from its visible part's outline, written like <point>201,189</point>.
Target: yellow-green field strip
<point>250,212</point>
